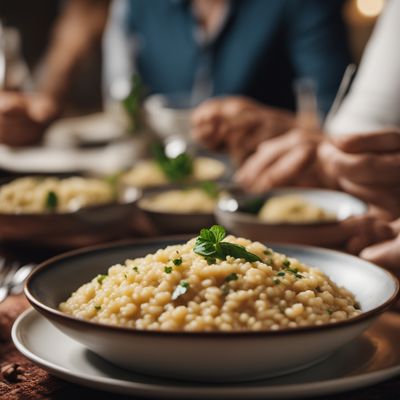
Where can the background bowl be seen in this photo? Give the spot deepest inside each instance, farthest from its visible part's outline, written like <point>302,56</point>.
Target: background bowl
<point>170,223</point>
<point>209,356</point>
<point>238,213</point>
<point>83,227</point>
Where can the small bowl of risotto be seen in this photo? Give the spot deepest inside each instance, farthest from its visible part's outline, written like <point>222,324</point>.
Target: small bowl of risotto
<point>289,215</point>
<point>213,307</point>
<point>152,173</point>
<point>179,209</point>
<point>65,212</point>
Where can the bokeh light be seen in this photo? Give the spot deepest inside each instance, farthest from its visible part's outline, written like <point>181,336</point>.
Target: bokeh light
<point>370,8</point>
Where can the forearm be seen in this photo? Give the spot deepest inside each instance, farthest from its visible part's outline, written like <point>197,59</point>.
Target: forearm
<point>78,29</point>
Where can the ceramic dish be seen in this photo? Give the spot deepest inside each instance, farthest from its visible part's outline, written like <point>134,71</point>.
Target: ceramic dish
<point>87,226</point>
<point>238,213</point>
<point>170,223</point>
<point>206,356</point>
<point>371,358</point>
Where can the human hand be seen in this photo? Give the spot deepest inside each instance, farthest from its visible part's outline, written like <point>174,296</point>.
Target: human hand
<point>386,253</point>
<point>24,117</point>
<point>237,125</point>
<point>367,166</point>
<point>289,159</point>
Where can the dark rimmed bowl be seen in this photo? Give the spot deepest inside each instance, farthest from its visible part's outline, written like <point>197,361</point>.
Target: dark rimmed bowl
<point>172,223</point>
<point>238,210</point>
<point>84,227</point>
<point>209,356</point>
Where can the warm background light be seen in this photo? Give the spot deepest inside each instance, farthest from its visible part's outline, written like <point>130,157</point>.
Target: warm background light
<point>370,8</point>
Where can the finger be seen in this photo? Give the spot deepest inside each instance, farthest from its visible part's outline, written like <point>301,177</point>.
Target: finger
<point>386,199</point>
<point>396,225</point>
<point>386,254</point>
<point>372,231</point>
<point>364,168</point>
<point>287,168</point>
<point>267,153</point>
<point>366,143</point>
<point>206,111</point>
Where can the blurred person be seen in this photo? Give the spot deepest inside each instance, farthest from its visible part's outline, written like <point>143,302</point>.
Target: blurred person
<point>365,164</point>
<point>204,48</point>
<point>25,115</point>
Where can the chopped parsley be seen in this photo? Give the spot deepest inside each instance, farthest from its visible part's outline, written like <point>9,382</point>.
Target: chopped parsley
<point>286,263</point>
<point>277,281</point>
<point>51,201</point>
<point>330,312</point>
<point>267,252</point>
<point>97,307</point>
<point>180,290</point>
<point>135,268</point>
<point>210,245</point>
<point>177,169</point>
<point>280,273</point>
<point>231,277</point>
<point>101,278</point>
<point>177,261</point>
<point>167,270</point>
<point>210,188</point>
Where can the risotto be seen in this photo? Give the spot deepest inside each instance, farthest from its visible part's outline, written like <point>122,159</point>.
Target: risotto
<point>147,173</point>
<point>39,195</point>
<point>181,201</point>
<point>293,209</point>
<point>179,289</point>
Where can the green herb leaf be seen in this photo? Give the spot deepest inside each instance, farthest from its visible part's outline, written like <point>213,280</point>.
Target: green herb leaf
<point>209,244</point>
<point>280,273</point>
<point>177,261</point>
<point>168,270</point>
<point>211,188</point>
<point>101,278</point>
<point>267,252</point>
<point>181,289</point>
<point>51,201</point>
<point>135,268</point>
<point>133,104</point>
<point>218,232</point>
<point>286,263</point>
<point>97,307</point>
<point>177,169</point>
<point>232,277</point>
<point>277,281</point>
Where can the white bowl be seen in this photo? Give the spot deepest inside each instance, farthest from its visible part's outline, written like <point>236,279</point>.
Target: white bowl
<point>233,213</point>
<point>209,356</point>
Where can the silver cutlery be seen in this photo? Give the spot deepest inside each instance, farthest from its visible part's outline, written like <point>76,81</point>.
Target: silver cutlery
<point>12,278</point>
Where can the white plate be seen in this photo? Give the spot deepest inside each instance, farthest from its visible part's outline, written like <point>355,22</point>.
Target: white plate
<point>372,358</point>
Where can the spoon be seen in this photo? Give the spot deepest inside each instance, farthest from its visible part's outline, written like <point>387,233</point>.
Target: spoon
<point>14,283</point>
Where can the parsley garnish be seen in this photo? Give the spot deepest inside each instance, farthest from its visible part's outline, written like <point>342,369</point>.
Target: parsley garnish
<point>181,289</point>
<point>97,307</point>
<point>277,281</point>
<point>167,270</point>
<point>176,169</point>
<point>280,273</point>
<point>133,104</point>
<point>177,261</point>
<point>267,252</point>
<point>210,188</point>
<point>51,201</point>
<point>232,277</point>
<point>101,278</point>
<point>135,268</point>
<point>210,245</point>
<point>286,263</point>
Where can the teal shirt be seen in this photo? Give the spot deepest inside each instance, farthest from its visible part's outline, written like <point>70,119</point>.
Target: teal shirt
<point>263,47</point>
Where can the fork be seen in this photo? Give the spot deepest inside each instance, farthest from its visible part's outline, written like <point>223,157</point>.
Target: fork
<point>12,277</point>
